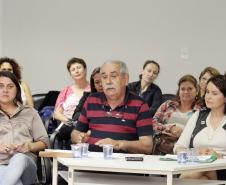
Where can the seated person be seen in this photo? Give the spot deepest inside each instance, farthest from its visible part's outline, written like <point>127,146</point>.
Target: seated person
<point>172,115</point>
<point>96,86</point>
<point>69,97</point>
<point>22,135</point>
<point>115,116</point>
<point>204,76</point>
<point>206,129</point>
<point>145,87</point>
<point>9,64</point>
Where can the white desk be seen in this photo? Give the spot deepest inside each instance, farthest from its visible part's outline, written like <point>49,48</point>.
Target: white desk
<point>150,165</point>
<point>87,178</point>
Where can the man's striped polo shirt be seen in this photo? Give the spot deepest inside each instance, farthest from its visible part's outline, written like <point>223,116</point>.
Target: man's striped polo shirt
<point>128,121</point>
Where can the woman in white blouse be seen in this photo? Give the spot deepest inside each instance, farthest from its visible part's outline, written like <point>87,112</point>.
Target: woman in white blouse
<point>206,129</point>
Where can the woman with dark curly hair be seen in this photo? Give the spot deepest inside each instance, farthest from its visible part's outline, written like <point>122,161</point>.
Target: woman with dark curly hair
<point>10,64</point>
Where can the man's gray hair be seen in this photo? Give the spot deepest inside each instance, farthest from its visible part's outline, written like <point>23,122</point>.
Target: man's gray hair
<point>123,67</point>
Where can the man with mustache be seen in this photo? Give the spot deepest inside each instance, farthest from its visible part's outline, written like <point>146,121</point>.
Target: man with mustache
<point>115,116</point>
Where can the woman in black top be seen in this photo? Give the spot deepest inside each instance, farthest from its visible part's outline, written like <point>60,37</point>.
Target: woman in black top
<point>145,87</point>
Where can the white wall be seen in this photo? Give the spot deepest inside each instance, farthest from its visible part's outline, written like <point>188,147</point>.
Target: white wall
<point>1,23</point>
<point>43,34</point>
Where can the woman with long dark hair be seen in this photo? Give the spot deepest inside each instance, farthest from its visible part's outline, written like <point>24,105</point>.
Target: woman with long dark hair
<point>22,134</point>
<point>206,129</point>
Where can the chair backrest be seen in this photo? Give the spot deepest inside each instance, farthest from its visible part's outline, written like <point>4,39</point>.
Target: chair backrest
<point>166,97</point>
<point>38,100</point>
<point>50,99</point>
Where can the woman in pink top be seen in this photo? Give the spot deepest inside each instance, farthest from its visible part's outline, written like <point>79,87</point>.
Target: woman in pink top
<point>70,96</point>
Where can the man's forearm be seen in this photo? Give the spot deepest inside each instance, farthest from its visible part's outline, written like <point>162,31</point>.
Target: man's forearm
<point>80,137</point>
<point>138,146</point>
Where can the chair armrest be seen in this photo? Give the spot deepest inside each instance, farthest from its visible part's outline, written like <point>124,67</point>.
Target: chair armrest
<point>53,138</point>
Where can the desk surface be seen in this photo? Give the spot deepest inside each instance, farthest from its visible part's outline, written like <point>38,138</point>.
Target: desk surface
<point>151,164</point>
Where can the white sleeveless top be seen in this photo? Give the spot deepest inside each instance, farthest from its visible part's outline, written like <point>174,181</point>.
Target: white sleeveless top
<point>180,118</point>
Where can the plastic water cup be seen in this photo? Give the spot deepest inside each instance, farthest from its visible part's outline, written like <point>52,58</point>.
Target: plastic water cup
<point>108,151</point>
<point>77,150</point>
<point>85,149</point>
<point>182,157</point>
<point>192,155</point>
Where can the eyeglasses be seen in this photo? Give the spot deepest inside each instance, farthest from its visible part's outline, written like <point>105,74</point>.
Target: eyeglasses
<point>117,115</point>
<point>114,114</point>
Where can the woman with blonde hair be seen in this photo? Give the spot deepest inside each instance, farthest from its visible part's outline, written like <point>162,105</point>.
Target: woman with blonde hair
<point>204,76</point>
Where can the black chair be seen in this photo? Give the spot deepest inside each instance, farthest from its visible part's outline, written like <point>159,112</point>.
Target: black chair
<point>49,99</point>
<point>44,165</point>
<point>44,171</point>
<point>45,106</point>
<point>166,97</point>
<point>38,100</point>
<point>58,141</point>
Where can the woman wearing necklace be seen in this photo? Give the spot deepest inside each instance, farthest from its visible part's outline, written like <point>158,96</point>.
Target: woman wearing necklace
<point>145,88</point>
<point>22,134</point>
<point>206,129</point>
<point>69,97</point>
